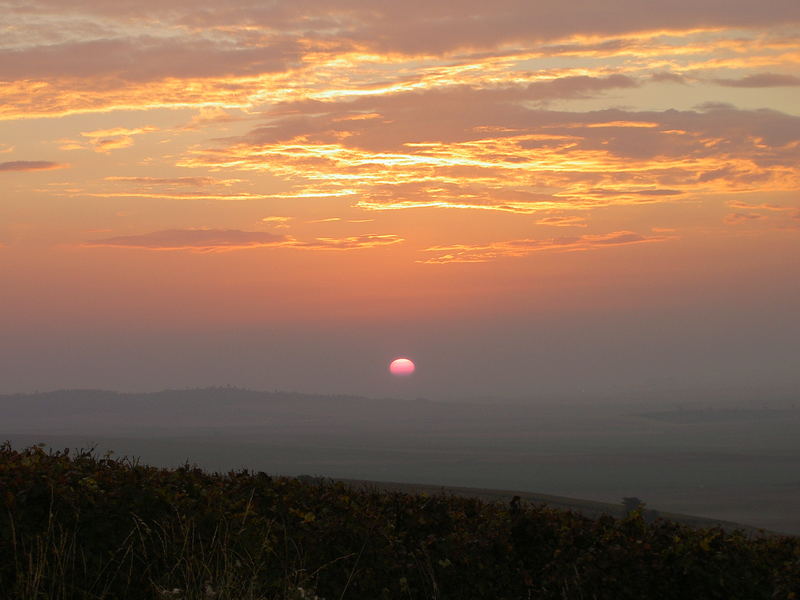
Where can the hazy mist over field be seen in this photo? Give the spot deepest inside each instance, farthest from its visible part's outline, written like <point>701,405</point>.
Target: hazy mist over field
<point>729,459</point>
<point>645,353</point>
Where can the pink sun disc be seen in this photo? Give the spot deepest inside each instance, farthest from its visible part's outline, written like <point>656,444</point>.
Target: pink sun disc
<point>401,366</point>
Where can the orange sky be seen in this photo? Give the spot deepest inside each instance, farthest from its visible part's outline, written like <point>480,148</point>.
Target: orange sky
<point>307,189</point>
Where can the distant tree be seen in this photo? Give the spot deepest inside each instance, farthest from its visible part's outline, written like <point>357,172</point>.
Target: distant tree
<point>632,504</point>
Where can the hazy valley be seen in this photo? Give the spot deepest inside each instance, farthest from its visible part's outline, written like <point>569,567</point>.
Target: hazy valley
<point>735,461</point>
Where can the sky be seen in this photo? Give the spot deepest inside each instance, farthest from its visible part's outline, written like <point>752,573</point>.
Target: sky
<point>528,199</point>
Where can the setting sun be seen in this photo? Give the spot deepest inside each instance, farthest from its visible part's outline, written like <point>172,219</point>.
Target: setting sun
<point>402,366</point>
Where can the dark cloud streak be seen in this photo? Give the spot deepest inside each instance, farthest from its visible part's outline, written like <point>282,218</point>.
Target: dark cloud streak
<point>761,80</point>
<point>417,26</point>
<point>30,165</point>
<point>146,58</point>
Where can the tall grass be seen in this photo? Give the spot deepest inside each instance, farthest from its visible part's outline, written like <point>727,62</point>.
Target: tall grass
<point>80,527</point>
<point>171,560</point>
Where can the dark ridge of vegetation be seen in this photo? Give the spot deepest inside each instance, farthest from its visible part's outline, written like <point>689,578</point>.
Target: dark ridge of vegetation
<point>588,508</point>
<point>76,525</point>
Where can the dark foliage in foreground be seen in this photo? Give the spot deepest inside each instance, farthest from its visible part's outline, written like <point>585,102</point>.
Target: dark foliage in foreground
<point>80,526</point>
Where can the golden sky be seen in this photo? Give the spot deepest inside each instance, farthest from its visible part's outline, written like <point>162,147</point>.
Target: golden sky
<point>381,178</point>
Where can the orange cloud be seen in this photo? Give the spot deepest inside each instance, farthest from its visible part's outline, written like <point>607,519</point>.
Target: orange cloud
<point>117,132</point>
<point>777,215</point>
<point>211,115</point>
<point>169,195</point>
<point>371,240</point>
<point>562,221</point>
<point>227,240</point>
<point>195,240</point>
<point>174,181</point>
<point>465,253</point>
<point>474,149</point>
<point>278,222</point>
<point>738,218</point>
<point>779,208</point>
<point>106,140</point>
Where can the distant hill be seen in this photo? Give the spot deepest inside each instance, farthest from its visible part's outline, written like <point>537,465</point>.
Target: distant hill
<point>89,410</point>
<point>719,415</point>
